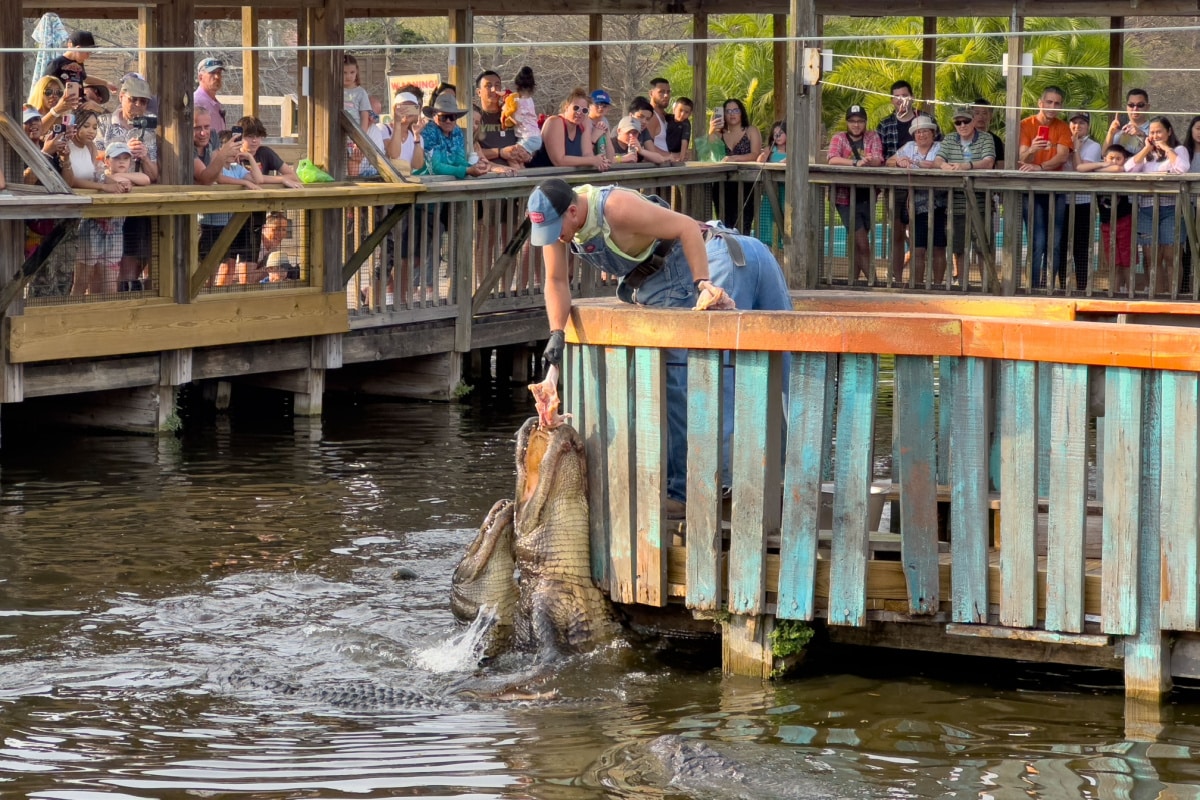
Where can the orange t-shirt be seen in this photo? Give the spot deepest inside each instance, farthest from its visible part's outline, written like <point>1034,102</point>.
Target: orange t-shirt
<point>1060,133</point>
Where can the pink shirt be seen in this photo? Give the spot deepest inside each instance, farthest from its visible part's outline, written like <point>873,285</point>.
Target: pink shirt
<point>202,99</point>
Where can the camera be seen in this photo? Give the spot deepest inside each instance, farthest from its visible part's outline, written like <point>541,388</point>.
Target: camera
<point>143,124</point>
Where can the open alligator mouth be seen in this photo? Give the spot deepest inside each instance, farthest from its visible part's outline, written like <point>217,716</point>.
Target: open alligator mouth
<point>558,607</point>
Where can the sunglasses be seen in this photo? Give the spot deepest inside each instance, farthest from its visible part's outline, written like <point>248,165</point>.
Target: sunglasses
<point>1135,105</point>
<point>958,122</point>
<point>445,118</point>
<point>579,109</point>
<point>54,93</point>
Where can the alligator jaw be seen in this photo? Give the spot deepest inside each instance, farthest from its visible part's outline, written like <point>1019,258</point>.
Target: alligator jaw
<point>484,576</point>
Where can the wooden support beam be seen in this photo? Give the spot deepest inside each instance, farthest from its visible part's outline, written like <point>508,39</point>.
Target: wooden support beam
<point>745,646</point>
<point>779,52</point>
<point>173,82</point>
<point>595,51</point>
<point>15,283</point>
<point>326,142</point>
<point>503,264</point>
<point>1011,261</point>
<point>462,32</point>
<point>805,201</point>
<point>304,106</point>
<point>928,57</point>
<point>1116,58</point>
<point>250,77</point>
<point>382,164</point>
<point>11,80</point>
<point>699,73</point>
<point>21,152</point>
<point>208,267</point>
<point>373,240</point>
<point>147,23</point>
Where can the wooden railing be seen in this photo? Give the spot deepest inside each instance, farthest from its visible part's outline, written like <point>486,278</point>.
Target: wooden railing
<point>993,424</point>
<point>985,212</point>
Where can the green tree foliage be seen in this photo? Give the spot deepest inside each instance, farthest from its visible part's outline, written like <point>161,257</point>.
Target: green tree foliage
<point>1069,55</point>
<point>742,70</point>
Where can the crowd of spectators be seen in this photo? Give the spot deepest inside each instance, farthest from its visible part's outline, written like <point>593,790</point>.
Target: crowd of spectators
<point>70,115</point>
<point>1049,141</point>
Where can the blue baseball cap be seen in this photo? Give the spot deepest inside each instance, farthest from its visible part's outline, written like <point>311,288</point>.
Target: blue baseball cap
<point>209,65</point>
<point>547,203</point>
<point>600,97</point>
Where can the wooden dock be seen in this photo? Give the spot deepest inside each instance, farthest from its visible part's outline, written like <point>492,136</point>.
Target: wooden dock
<point>997,405</point>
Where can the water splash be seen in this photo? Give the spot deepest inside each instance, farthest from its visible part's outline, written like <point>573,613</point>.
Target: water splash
<point>462,651</point>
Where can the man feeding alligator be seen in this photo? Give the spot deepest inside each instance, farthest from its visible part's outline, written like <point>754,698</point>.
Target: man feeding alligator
<point>664,259</point>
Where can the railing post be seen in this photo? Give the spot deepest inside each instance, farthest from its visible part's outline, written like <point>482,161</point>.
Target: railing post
<point>804,200</point>
<point>1147,651</point>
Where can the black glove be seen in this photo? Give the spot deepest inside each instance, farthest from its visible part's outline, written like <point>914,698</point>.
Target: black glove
<point>554,349</point>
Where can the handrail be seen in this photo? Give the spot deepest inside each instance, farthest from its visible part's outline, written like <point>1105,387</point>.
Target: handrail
<point>609,323</point>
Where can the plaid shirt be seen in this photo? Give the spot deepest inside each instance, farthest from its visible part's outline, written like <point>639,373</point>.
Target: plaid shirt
<point>889,132</point>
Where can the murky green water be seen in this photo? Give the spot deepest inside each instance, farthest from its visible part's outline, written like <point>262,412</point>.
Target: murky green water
<point>137,574</point>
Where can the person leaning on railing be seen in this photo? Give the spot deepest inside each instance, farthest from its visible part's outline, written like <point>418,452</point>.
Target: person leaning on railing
<point>445,142</point>
<point>567,137</point>
<point>965,150</point>
<point>1162,153</point>
<point>856,147</point>
<point>663,259</point>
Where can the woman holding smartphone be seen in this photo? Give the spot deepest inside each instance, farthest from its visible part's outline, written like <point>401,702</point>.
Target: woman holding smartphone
<point>1162,153</point>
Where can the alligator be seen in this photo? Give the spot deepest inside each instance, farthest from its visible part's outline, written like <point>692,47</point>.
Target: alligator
<point>473,691</point>
<point>559,610</point>
<point>699,769</point>
<point>485,578</point>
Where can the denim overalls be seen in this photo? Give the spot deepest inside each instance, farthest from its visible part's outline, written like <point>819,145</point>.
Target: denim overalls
<point>754,281</point>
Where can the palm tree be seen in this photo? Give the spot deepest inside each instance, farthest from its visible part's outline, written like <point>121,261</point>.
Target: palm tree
<point>743,70</point>
<point>1069,56</point>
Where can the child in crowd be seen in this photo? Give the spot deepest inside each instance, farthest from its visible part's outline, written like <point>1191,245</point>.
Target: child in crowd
<point>679,129</point>
<point>1114,161</point>
<point>776,153</point>
<point>240,170</point>
<point>356,100</point>
<point>520,112</point>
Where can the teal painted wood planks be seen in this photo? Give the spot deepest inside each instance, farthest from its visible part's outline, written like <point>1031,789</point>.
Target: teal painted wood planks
<point>916,472</point>
<point>704,579</point>
<point>852,470</point>
<point>1067,517</point>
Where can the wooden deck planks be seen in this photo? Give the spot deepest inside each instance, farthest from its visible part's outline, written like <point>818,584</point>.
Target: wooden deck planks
<point>1019,455</point>
<point>704,579</point>
<point>618,438</point>
<point>1122,497</point>
<point>1068,497</point>
<point>650,473</point>
<point>916,454</point>
<point>809,430</point>
<point>969,491</point>
<point>852,470</point>
<point>1180,507</point>
<point>595,432</point>
<point>755,465</point>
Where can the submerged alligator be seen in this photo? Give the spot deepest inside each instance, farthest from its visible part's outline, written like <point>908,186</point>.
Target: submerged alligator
<point>552,606</point>
<point>699,769</point>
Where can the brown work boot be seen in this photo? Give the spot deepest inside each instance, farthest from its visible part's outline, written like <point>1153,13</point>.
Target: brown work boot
<point>675,509</point>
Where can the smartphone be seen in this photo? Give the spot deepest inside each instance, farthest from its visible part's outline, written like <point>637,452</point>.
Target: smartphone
<point>719,115</point>
<point>236,130</point>
<point>1044,132</point>
<point>68,119</point>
